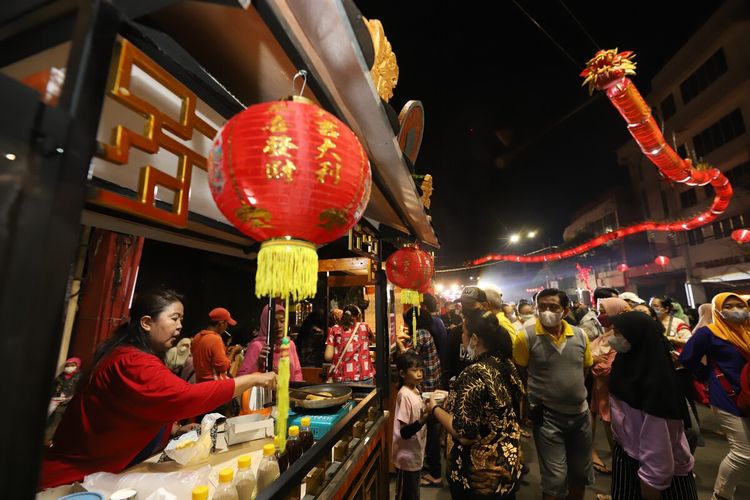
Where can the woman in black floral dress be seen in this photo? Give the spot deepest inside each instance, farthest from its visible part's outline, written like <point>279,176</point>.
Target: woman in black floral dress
<point>481,415</point>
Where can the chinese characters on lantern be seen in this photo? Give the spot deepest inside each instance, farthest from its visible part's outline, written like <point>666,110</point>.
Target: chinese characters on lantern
<point>330,166</point>
<point>280,165</point>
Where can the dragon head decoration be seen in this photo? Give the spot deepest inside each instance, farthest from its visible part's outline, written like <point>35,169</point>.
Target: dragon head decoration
<point>608,67</point>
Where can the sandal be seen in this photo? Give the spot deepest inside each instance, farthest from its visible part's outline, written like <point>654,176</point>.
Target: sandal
<point>426,483</point>
<point>601,468</point>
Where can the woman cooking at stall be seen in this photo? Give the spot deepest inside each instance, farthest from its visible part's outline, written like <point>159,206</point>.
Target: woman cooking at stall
<point>258,349</point>
<point>127,407</point>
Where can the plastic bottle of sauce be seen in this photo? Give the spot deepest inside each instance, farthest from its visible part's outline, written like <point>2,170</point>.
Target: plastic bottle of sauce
<point>305,434</point>
<point>200,493</point>
<point>225,490</point>
<point>281,458</point>
<point>293,444</point>
<point>245,481</point>
<point>268,471</point>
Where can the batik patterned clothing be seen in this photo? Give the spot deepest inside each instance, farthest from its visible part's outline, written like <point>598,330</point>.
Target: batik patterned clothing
<point>355,364</point>
<point>485,403</point>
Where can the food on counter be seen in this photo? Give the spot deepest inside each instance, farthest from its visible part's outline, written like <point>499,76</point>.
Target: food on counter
<point>185,444</point>
<point>245,482</point>
<point>319,396</point>
<point>226,490</point>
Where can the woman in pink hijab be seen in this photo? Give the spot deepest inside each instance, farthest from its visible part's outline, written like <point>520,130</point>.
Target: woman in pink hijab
<point>603,356</point>
<point>257,349</point>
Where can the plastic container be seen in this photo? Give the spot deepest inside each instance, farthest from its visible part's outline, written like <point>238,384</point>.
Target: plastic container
<point>281,458</point>
<point>268,471</point>
<point>200,493</point>
<point>245,482</point>
<point>84,495</point>
<point>126,494</point>
<point>293,445</point>
<point>226,490</point>
<point>305,434</point>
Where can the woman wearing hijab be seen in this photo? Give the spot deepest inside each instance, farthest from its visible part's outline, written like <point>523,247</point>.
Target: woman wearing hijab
<point>726,345</point>
<point>651,458</point>
<point>258,349</point>
<point>603,355</point>
<point>177,356</point>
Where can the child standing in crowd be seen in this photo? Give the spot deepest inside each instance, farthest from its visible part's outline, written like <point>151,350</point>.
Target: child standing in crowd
<point>409,434</point>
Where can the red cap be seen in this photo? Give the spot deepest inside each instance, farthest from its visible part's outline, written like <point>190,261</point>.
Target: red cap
<point>221,314</point>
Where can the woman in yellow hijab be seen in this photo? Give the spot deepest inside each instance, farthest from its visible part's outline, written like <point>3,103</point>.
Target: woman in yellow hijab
<point>726,345</point>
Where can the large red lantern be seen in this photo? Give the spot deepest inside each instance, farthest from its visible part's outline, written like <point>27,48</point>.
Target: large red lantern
<point>290,175</point>
<point>662,260</point>
<point>741,235</point>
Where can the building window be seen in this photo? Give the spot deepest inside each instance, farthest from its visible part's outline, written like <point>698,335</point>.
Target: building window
<point>667,107</point>
<point>688,198</point>
<point>703,77</point>
<point>739,176</point>
<point>695,237</point>
<point>724,228</point>
<point>664,204</point>
<point>718,134</point>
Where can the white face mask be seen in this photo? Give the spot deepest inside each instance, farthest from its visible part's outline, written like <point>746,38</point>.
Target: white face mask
<point>735,315</point>
<point>619,343</point>
<point>512,318</point>
<point>525,317</point>
<point>550,319</point>
<point>69,369</point>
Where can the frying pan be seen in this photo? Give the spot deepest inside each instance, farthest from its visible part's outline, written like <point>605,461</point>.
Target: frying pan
<point>340,394</point>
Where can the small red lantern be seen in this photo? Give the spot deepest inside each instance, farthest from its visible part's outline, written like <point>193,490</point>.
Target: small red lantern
<point>741,235</point>
<point>411,269</point>
<point>662,260</point>
<point>291,175</point>
<point>622,267</point>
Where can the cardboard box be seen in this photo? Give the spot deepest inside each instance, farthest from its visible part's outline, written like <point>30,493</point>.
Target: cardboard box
<point>247,428</point>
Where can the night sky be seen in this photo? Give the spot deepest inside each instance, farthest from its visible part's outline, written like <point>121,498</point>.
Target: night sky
<point>484,72</point>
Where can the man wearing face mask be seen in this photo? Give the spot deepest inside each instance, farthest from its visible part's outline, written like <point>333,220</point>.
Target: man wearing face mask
<point>210,360</point>
<point>556,356</point>
<point>526,314</point>
<point>725,345</point>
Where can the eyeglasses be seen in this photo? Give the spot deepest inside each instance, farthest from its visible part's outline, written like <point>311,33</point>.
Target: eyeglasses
<point>549,307</point>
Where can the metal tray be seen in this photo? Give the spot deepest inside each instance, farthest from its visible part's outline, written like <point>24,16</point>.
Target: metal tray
<point>341,394</point>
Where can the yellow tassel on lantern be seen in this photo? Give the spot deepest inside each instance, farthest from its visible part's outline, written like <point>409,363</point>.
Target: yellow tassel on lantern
<point>287,267</point>
<point>282,386</point>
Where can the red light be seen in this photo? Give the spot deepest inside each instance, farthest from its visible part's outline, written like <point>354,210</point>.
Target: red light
<point>741,235</point>
<point>622,268</point>
<point>662,260</point>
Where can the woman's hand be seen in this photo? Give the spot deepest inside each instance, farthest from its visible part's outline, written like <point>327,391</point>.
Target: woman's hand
<point>263,355</point>
<point>430,405</point>
<point>264,380</point>
<point>178,430</point>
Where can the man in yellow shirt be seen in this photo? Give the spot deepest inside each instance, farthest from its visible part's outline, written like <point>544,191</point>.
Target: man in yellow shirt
<point>556,356</point>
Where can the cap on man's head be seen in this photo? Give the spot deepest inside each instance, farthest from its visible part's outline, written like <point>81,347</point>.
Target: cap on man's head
<point>472,294</point>
<point>221,314</point>
<point>631,297</point>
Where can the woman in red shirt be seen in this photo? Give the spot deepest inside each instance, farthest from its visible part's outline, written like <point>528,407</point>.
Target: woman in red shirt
<point>348,349</point>
<point>127,407</point>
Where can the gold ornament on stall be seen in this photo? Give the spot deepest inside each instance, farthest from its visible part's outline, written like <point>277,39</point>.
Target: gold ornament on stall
<point>426,188</point>
<point>384,71</point>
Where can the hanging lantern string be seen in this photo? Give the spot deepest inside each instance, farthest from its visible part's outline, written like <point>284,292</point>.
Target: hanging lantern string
<point>301,73</point>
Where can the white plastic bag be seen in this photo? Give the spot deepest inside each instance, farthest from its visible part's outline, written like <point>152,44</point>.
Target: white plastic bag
<point>190,449</point>
<point>180,484</point>
<point>161,494</point>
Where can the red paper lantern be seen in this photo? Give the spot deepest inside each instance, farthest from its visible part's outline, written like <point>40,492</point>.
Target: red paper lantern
<point>622,267</point>
<point>741,235</point>
<point>662,260</point>
<point>410,268</point>
<point>291,175</point>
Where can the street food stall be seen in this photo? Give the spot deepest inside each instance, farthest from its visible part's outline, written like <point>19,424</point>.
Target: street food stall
<point>111,109</point>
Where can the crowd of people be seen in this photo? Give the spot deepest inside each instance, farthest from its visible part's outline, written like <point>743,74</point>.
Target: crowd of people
<point>481,372</point>
<point>488,369</point>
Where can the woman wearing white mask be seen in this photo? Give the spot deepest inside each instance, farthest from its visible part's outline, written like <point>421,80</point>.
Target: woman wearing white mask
<point>651,458</point>
<point>726,345</point>
<point>481,414</point>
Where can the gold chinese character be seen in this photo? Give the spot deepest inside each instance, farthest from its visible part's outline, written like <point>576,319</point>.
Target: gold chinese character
<point>323,148</point>
<point>281,170</point>
<point>277,124</point>
<point>279,145</point>
<point>328,128</point>
<point>326,168</point>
